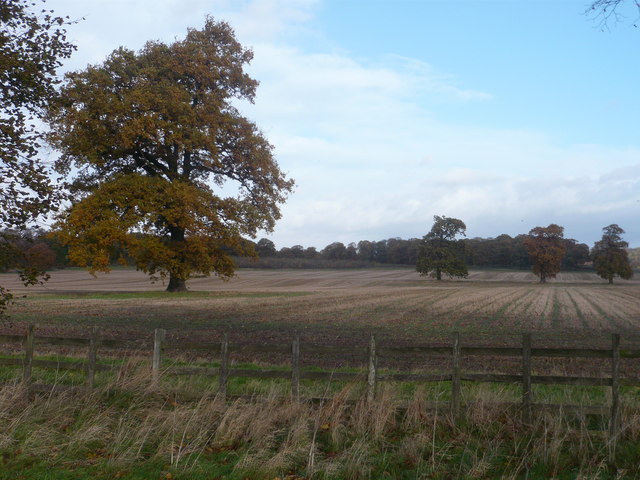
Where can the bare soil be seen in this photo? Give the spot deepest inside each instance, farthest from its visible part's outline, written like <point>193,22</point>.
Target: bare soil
<point>127,280</point>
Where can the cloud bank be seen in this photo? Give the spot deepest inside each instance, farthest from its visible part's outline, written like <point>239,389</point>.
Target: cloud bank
<point>366,142</point>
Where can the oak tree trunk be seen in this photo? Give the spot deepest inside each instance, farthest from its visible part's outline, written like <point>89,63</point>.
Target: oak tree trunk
<point>176,282</point>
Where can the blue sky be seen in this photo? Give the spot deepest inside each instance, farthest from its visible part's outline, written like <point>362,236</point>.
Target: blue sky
<point>506,114</point>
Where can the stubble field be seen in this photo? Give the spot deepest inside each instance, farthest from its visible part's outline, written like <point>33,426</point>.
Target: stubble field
<point>336,306</point>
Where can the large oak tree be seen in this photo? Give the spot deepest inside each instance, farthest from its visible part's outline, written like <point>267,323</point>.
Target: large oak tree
<point>546,248</point>
<point>163,165</point>
<point>610,256</point>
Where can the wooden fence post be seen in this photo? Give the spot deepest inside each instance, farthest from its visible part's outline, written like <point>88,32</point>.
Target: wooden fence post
<point>455,377</point>
<point>28,354</point>
<point>614,425</point>
<point>526,378</point>
<point>295,368</point>
<point>94,341</point>
<point>371,371</point>
<point>224,366</point>
<point>158,338</point>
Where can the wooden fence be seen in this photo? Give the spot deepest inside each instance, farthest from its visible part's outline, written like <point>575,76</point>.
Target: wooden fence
<point>371,354</point>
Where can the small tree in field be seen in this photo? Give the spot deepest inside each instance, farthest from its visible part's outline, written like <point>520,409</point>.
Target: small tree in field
<point>151,138</point>
<point>546,249</point>
<point>610,256</point>
<point>440,252</point>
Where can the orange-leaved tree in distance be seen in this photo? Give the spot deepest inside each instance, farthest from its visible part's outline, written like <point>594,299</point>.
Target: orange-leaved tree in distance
<point>546,249</point>
<point>163,166</point>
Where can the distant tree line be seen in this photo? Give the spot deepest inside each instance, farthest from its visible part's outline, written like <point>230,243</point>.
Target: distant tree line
<point>393,251</point>
<point>503,251</point>
<point>39,247</point>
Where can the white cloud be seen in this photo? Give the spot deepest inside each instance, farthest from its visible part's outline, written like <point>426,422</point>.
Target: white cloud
<point>266,20</point>
<point>425,78</point>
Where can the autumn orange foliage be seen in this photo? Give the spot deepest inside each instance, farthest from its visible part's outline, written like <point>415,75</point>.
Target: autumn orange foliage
<point>546,249</point>
<point>163,165</point>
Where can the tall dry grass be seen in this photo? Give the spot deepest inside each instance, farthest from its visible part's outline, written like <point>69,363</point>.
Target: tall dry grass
<point>127,423</point>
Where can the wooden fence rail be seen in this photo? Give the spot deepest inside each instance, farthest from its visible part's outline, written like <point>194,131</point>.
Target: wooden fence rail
<point>371,354</point>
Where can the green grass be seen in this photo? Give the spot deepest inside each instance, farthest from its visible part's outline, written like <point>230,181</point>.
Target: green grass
<point>194,385</point>
<point>161,295</point>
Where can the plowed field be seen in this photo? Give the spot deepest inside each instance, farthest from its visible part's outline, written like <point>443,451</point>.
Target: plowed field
<point>343,308</point>
<point>396,302</point>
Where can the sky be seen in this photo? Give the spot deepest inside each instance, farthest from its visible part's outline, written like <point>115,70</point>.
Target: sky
<point>506,114</point>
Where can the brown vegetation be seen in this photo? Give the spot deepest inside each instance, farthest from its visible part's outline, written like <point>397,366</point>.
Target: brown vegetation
<point>268,437</point>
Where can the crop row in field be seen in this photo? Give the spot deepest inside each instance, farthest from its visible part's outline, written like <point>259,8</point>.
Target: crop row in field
<point>386,302</point>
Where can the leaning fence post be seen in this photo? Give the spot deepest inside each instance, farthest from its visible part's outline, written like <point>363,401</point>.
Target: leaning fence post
<point>94,341</point>
<point>295,368</point>
<point>455,377</point>
<point>526,377</point>
<point>158,338</point>
<point>371,371</point>
<point>614,425</point>
<point>224,365</point>
<point>28,354</point>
